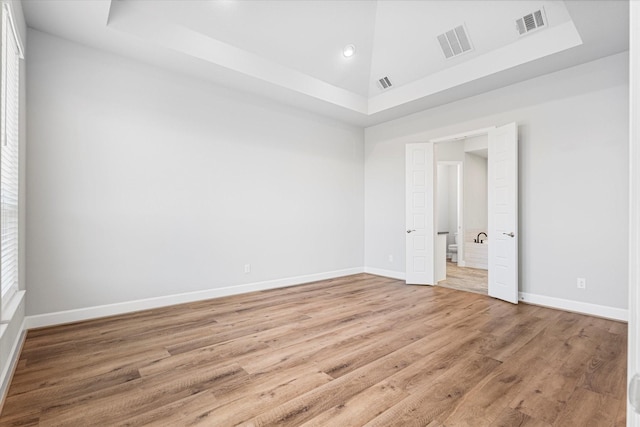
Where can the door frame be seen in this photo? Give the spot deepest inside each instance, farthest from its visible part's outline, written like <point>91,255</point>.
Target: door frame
<point>633,355</point>
<point>463,135</point>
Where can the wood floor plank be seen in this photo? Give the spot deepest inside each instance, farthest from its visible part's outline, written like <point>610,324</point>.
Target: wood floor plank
<point>512,418</point>
<point>116,404</point>
<point>606,370</point>
<point>361,407</point>
<point>342,364</point>
<point>234,332</point>
<point>621,414</point>
<point>504,345</point>
<point>435,400</point>
<point>81,369</point>
<point>488,399</point>
<point>350,351</point>
<point>262,400</point>
<point>589,409</point>
<point>545,395</point>
<point>308,405</point>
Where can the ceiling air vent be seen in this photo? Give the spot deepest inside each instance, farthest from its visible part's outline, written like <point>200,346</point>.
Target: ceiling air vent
<point>531,22</point>
<point>454,42</point>
<point>384,83</point>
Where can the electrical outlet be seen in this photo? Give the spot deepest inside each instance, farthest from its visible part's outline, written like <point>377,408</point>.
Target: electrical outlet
<point>582,283</point>
<point>247,268</point>
<point>390,258</point>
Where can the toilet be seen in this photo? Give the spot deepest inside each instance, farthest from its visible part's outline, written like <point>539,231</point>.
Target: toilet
<point>453,248</point>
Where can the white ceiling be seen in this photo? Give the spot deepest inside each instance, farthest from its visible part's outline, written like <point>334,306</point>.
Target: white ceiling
<point>291,51</point>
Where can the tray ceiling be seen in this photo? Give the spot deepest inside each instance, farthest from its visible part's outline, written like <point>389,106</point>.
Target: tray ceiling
<point>291,51</point>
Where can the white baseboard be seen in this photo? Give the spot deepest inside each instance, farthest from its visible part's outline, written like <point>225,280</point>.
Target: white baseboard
<point>576,306</point>
<point>400,275</point>
<point>542,300</point>
<point>559,303</point>
<point>7,371</point>
<point>69,316</point>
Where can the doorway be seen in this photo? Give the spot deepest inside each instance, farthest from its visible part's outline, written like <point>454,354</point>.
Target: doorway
<point>425,246</point>
<point>462,207</point>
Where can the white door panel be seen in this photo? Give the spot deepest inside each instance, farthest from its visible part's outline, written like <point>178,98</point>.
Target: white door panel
<point>503,212</point>
<point>420,213</point>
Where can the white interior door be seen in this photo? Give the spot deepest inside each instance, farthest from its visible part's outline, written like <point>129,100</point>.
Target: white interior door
<point>633,344</point>
<point>420,213</point>
<point>503,212</point>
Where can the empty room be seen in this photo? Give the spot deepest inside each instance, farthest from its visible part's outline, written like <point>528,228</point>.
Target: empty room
<point>319,213</point>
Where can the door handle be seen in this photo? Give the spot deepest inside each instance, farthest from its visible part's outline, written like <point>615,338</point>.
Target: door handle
<point>410,231</point>
<point>512,234</point>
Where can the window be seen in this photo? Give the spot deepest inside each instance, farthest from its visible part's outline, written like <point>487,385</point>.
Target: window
<point>9,130</point>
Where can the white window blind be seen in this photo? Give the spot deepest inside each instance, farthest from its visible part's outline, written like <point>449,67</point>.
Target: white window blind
<point>9,128</point>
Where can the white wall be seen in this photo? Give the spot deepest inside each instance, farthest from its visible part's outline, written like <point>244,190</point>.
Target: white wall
<point>443,198</point>
<point>573,133</point>
<point>453,204</point>
<point>448,200</point>
<point>451,150</point>
<point>143,183</point>
<point>475,194</point>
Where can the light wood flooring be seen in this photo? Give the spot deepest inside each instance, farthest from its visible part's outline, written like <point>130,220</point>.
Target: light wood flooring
<point>466,279</point>
<point>359,350</point>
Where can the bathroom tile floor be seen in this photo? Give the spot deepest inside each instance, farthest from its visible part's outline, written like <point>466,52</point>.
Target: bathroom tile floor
<point>465,279</point>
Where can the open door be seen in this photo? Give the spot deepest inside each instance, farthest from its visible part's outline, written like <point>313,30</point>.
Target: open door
<point>420,213</point>
<point>503,212</point>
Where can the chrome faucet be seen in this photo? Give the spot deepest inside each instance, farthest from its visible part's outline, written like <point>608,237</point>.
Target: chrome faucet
<point>477,239</point>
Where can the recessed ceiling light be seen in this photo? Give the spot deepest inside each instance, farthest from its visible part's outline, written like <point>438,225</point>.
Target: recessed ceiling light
<point>349,50</point>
